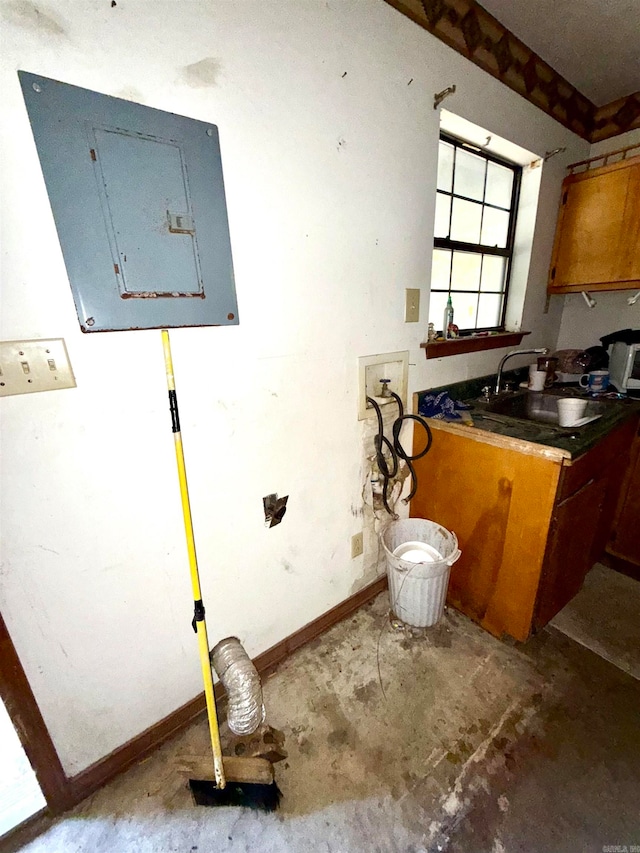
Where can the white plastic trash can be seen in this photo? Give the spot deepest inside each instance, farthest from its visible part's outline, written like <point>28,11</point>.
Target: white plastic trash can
<point>419,554</point>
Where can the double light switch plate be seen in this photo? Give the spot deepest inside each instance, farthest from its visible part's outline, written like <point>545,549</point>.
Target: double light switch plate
<point>28,366</point>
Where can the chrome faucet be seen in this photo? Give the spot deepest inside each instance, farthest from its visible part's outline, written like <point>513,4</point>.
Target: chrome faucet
<point>539,351</point>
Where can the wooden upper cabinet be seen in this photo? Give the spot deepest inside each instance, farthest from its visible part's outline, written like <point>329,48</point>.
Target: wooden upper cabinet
<point>597,244</point>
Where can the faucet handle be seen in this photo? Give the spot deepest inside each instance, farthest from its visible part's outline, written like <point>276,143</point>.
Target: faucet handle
<point>486,392</point>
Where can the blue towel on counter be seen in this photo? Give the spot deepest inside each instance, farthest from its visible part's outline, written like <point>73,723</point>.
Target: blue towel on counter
<point>441,406</point>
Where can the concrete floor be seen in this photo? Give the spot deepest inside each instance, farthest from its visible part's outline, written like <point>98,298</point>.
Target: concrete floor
<point>605,617</point>
<point>444,739</point>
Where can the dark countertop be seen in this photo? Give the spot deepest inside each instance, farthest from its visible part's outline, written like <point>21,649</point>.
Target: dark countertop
<point>572,441</point>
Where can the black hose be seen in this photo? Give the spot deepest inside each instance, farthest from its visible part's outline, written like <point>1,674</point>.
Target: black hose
<point>397,451</point>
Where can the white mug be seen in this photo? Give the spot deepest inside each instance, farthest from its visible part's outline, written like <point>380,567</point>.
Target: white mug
<point>537,378</point>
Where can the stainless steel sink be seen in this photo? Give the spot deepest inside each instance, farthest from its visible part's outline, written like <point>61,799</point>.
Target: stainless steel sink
<point>537,406</point>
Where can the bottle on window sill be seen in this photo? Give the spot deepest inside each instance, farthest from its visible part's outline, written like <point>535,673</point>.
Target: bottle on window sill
<point>448,319</point>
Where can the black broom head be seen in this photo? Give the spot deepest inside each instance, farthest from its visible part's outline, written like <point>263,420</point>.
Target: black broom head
<point>253,795</point>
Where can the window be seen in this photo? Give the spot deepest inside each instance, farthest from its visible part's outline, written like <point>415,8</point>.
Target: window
<point>476,201</point>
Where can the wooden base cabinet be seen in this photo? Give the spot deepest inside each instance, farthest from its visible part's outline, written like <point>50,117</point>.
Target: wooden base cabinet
<point>529,522</point>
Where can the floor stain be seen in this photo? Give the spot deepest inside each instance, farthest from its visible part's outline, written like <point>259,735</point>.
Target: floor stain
<point>368,692</point>
<point>536,750</point>
<point>339,737</point>
<point>305,746</point>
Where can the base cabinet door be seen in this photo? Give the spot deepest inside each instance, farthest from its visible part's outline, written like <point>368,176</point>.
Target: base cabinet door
<point>570,549</point>
<point>625,537</point>
<point>614,477</point>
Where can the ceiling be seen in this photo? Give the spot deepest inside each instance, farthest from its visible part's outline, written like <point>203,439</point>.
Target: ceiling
<point>577,60</point>
<point>594,44</point>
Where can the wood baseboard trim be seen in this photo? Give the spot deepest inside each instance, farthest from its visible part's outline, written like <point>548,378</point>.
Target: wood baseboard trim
<point>94,777</point>
<point>267,662</point>
<point>21,705</point>
<point>620,564</point>
<point>26,832</point>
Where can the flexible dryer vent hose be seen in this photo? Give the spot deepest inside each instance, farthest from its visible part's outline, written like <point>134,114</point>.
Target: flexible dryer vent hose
<point>241,681</point>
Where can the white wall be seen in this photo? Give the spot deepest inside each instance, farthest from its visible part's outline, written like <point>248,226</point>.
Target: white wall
<point>624,140</point>
<point>329,154</point>
<point>581,326</point>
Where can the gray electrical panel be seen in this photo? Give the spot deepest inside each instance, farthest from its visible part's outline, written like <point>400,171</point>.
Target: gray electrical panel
<point>138,200</point>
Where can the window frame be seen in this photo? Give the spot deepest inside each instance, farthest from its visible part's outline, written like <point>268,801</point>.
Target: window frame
<point>478,248</point>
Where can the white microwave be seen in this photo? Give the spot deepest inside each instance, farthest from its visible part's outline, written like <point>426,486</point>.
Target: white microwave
<point>624,366</point>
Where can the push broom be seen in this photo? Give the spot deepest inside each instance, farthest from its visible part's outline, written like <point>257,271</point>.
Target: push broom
<point>236,781</point>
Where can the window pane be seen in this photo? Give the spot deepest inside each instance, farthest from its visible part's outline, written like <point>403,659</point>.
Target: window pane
<point>445,166</point>
<point>473,201</point>
<point>437,304</point>
<point>465,271</point>
<point>469,176</point>
<point>493,269</point>
<point>465,221</point>
<point>440,269</point>
<point>465,306</point>
<point>443,206</point>
<point>495,227</point>
<point>489,309</point>
<point>499,185</point>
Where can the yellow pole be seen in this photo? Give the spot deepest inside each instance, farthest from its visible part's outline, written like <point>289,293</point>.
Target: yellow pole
<point>200,626</point>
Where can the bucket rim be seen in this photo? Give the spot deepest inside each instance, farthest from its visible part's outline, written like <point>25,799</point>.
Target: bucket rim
<point>448,533</point>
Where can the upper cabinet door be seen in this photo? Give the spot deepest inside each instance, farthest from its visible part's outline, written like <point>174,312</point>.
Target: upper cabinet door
<point>630,265</point>
<point>596,245</point>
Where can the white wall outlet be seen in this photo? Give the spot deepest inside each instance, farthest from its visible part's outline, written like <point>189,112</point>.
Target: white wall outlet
<point>357,544</point>
<point>393,366</point>
<point>28,366</point>
<point>412,305</point>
